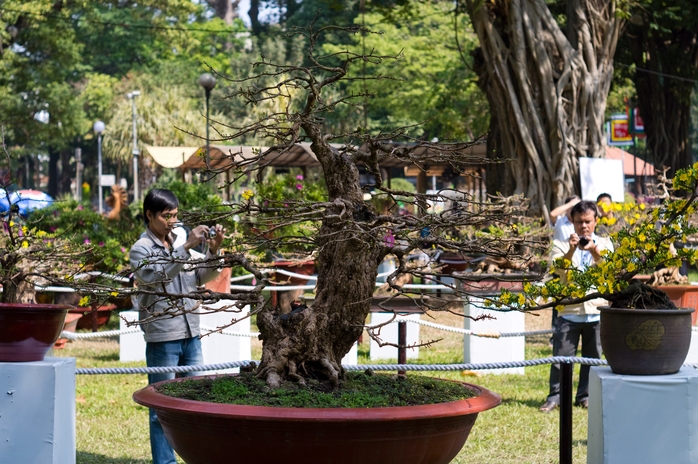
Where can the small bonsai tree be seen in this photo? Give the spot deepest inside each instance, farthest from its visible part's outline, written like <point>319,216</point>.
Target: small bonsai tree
<point>351,238</point>
<point>644,235</point>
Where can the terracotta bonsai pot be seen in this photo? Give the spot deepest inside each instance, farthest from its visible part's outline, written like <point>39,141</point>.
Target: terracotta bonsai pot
<point>645,341</point>
<point>70,325</point>
<point>94,317</point>
<point>28,331</point>
<point>683,296</point>
<point>297,267</point>
<point>210,433</point>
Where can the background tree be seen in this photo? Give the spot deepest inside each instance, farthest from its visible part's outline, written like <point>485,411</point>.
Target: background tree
<point>659,51</point>
<point>429,84</point>
<point>546,69</point>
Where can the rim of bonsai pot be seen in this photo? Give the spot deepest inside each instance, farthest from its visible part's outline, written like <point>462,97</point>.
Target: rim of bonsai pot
<point>484,400</point>
<point>35,306</point>
<point>647,312</point>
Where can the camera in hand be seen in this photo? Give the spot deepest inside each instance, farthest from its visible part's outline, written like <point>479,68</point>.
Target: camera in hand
<point>583,241</point>
<point>212,232</point>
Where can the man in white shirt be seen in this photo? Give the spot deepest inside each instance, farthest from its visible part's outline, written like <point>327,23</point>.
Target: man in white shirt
<point>579,321</point>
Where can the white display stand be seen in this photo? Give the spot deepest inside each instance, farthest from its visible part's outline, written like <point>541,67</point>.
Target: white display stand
<point>217,348</point>
<point>692,356</point>
<point>642,419</point>
<point>131,345</point>
<point>37,411</point>
<point>220,348</point>
<point>352,357</point>
<point>388,334</point>
<point>479,350</point>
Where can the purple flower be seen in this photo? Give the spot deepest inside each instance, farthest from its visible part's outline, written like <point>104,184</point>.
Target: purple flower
<point>389,239</point>
<point>299,177</point>
<point>101,243</point>
<point>87,240</point>
<point>52,229</point>
<point>299,186</point>
<point>123,250</point>
<point>80,208</point>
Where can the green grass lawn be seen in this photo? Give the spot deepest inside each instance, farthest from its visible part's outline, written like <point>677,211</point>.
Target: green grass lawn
<point>111,428</point>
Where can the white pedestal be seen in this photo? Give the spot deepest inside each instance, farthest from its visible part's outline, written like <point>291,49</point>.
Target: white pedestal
<point>692,356</point>
<point>37,411</point>
<point>220,348</point>
<point>217,348</point>
<point>352,357</point>
<point>388,334</point>
<point>479,350</point>
<point>132,345</point>
<point>642,419</point>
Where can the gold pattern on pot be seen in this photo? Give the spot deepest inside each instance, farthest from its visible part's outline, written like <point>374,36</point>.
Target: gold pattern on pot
<point>646,336</point>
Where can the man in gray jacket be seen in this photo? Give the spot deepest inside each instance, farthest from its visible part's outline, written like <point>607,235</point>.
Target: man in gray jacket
<point>169,319</point>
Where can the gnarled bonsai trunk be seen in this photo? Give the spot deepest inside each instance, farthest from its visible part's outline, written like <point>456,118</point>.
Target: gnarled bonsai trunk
<point>547,90</point>
<point>311,342</point>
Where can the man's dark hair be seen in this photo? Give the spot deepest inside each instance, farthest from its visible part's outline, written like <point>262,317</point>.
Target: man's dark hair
<point>603,195</point>
<point>159,200</point>
<point>584,206</point>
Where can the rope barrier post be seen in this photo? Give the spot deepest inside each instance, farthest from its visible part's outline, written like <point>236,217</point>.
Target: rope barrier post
<point>566,369</point>
<point>401,346</point>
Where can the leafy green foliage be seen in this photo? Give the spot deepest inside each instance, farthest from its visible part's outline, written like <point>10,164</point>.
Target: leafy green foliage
<point>358,390</point>
<point>276,194</point>
<point>107,242</point>
<point>429,82</point>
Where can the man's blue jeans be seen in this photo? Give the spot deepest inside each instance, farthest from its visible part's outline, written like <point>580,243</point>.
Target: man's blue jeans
<point>186,352</point>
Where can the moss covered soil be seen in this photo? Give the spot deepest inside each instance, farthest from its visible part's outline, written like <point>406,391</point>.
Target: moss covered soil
<point>357,390</point>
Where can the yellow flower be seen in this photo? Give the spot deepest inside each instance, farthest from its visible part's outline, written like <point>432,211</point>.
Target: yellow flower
<point>84,301</point>
<point>114,293</point>
<point>247,194</point>
<point>25,244</point>
<point>522,299</point>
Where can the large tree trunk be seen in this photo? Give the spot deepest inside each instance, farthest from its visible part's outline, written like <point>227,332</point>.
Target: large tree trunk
<point>311,343</point>
<point>54,157</point>
<point>66,172</point>
<point>225,9</point>
<point>664,101</point>
<point>547,90</point>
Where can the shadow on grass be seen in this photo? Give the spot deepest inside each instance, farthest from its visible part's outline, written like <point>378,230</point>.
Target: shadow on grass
<point>82,457</point>
<point>106,357</point>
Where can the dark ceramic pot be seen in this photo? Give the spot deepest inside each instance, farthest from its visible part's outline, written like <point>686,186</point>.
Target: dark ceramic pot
<point>645,341</point>
<point>211,433</point>
<point>27,331</point>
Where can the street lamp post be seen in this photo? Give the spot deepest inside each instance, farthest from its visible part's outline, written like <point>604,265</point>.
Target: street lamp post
<point>208,82</point>
<point>99,128</point>
<point>132,96</point>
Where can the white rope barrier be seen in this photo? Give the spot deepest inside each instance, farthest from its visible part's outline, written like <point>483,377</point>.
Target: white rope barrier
<point>274,288</point>
<point>360,367</point>
<point>293,274</point>
<point>230,332</point>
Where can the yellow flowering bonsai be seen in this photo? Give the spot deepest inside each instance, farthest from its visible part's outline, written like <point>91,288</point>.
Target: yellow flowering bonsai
<point>643,241</point>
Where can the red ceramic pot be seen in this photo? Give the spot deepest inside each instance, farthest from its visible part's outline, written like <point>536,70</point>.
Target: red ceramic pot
<point>297,267</point>
<point>27,331</point>
<point>210,433</point>
<point>94,317</point>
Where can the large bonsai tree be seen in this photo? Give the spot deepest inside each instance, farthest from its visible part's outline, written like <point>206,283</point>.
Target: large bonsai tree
<point>351,238</point>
